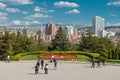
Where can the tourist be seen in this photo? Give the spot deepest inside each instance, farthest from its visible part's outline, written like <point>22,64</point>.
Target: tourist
<point>46,68</point>
<point>38,61</point>
<point>98,62</point>
<point>103,61</point>
<point>93,63</point>
<point>42,63</point>
<point>8,58</point>
<point>51,60</point>
<point>36,69</point>
<point>55,63</point>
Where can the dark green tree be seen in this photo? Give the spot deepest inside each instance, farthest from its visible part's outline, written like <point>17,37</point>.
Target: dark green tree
<point>118,49</point>
<point>60,42</point>
<point>92,43</point>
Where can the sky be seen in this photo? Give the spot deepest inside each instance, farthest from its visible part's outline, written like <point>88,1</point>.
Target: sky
<point>29,12</point>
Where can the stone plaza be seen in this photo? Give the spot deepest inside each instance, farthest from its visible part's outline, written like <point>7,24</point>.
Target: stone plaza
<point>65,71</point>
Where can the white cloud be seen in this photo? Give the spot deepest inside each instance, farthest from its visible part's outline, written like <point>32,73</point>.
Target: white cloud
<point>37,15</point>
<point>3,16</point>
<point>24,12</point>
<point>65,4</point>
<point>16,22</point>
<point>2,5</point>
<point>35,22</point>
<point>74,11</point>
<point>30,22</point>
<point>18,2</point>
<point>116,3</point>
<point>50,10</point>
<point>114,15</point>
<point>37,9</point>
<point>12,10</point>
<point>113,24</point>
<point>26,23</point>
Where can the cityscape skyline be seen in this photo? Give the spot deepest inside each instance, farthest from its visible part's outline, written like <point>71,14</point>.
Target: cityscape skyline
<point>28,12</point>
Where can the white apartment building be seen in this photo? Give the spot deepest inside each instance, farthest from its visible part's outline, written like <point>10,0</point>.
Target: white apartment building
<point>69,30</point>
<point>98,25</point>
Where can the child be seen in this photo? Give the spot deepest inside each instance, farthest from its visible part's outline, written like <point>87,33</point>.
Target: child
<point>36,69</point>
<point>46,68</point>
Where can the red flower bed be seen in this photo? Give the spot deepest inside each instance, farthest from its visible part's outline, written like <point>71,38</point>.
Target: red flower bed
<point>58,56</point>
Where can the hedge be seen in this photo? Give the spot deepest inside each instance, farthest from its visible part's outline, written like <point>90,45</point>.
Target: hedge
<point>17,57</point>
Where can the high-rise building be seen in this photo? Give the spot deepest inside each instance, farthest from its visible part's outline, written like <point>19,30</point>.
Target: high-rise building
<point>98,25</point>
<point>50,29</point>
<point>69,30</point>
<point>50,32</point>
<point>71,33</point>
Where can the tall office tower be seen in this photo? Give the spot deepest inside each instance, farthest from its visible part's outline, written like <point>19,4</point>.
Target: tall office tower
<point>98,25</point>
<point>50,32</point>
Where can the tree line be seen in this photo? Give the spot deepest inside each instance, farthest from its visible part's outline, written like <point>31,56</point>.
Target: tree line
<point>14,43</point>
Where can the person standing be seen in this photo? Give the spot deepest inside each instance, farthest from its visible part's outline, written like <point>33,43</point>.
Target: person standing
<point>46,68</point>
<point>103,61</point>
<point>8,58</point>
<point>98,62</point>
<point>36,69</point>
<point>38,61</point>
<point>42,63</point>
<point>55,63</point>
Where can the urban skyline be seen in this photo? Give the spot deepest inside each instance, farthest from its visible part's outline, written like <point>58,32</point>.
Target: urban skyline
<point>28,12</point>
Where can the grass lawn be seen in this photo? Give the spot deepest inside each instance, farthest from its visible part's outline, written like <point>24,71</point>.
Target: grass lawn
<point>29,57</point>
<point>113,61</point>
<point>79,58</point>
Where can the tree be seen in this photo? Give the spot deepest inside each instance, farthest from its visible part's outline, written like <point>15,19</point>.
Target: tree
<point>60,42</point>
<point>92,43</point>
<point>118,49</point>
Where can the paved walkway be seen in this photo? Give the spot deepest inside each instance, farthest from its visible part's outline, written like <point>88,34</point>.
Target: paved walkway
<point>66,71</point>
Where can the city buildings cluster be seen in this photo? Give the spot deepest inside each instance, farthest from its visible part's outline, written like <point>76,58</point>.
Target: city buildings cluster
<point>47,31</point>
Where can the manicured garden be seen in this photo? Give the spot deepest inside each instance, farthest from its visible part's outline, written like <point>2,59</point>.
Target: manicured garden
<point>57,54</point>
<point>61,55</point>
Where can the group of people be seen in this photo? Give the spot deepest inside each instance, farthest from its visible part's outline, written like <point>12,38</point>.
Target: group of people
<point>45,67</point>
<point>98,62</point>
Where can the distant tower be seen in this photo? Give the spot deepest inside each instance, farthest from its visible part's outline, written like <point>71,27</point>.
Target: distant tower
<point>98,25</point>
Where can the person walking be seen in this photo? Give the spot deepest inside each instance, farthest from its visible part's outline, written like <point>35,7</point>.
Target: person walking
<point>42,63</point>
<point>98,62</point>
<point>55,63</point>
<point>46,68</point>
<point>93,63</point>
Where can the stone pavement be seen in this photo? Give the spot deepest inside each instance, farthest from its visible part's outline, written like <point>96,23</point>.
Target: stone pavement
<point>24,70</point>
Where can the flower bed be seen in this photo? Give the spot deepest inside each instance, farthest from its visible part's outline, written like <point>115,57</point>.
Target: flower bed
<point>58,56</point>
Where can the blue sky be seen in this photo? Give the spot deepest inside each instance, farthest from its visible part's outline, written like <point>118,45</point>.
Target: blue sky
<point>27,12</point>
